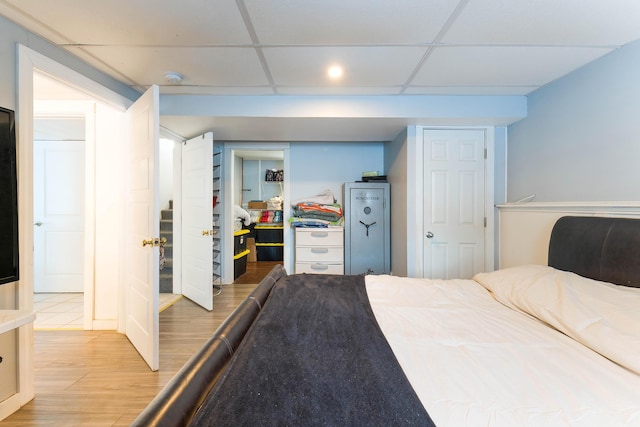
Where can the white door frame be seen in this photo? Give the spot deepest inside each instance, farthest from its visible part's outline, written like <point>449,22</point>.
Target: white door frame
<point>228,161</point>
<point>29,61</point>
<point>84,109</point>
<point>415,190</point>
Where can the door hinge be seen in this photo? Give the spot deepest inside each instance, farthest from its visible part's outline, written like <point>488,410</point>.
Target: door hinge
<point>485,222</point>
<point>485,154</point>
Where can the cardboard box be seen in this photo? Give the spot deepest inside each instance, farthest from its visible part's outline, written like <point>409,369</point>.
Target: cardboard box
<point>251,246</point>
<point>257,205</point>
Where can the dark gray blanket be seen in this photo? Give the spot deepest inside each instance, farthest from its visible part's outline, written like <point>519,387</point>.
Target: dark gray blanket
<point>314,356</point>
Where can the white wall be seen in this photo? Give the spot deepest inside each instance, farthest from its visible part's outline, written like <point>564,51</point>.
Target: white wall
<point>253,179</point>
<point>580,139</point>
<point>165,180</point>
<point>525,228</point>
<point>108,210</point>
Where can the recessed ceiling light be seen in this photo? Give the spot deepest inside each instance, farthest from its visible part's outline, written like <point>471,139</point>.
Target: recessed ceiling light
<point>335,71</point>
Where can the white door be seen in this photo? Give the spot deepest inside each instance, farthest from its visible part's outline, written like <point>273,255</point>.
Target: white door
<point>197,220</point>
<point>454,211</point>
<point>143,228</point>
<point>58,250</point>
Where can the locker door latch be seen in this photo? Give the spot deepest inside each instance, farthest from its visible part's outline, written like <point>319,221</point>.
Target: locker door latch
<point>367,226</point>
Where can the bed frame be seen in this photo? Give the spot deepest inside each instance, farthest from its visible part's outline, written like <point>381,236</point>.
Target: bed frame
<point>606,249</point>
<point>179,400</point>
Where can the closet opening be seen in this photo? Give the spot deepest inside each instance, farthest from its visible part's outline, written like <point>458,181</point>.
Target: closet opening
<point>259,204</point>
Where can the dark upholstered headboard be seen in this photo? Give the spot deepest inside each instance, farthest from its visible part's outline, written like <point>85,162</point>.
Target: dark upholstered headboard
<point>606,249</point>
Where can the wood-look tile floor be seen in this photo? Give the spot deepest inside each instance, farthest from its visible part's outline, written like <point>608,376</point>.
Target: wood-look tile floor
<point>96,378</point>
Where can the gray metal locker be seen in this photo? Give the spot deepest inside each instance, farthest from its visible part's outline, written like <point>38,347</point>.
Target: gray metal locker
<point>367,228</point>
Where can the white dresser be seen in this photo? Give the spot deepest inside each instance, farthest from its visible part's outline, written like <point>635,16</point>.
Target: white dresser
<point>319,250</point>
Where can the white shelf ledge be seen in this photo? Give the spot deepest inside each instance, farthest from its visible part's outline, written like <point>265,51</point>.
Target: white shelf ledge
<point>13,319</point>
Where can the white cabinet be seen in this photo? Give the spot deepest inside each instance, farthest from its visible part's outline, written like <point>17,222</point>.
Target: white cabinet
<point>8,365</point>
<point>319,250</point>
<point>16,368</point>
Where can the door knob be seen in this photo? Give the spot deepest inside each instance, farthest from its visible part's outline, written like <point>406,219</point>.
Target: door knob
<point>429,235</point>
<point>38,224</point>
<point>157,241</point>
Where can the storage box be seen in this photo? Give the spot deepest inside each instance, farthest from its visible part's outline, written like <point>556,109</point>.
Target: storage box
<point>269,234</point>
<point>239,241</point>
<point>251,247</point>
<point>269,252</point>
<point>257,205</point>
<point>240,264</point>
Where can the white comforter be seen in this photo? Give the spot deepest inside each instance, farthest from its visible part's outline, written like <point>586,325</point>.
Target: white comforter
<point>473,361</point>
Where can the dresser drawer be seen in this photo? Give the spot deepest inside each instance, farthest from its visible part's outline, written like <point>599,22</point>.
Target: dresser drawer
<point>319,268</point>
<point>320,237</point>
<point>334,254</point>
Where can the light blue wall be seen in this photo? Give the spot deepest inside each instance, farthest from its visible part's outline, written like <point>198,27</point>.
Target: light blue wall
<point>396,164</point>
<point>581,139</point>
<point>316,167</point>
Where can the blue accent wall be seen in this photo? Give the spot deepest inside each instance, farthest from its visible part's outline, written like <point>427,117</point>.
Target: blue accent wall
<point>581,138</point>
<point>316,167</point>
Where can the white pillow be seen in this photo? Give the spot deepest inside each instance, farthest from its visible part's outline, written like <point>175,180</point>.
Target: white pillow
<point>602,316</point>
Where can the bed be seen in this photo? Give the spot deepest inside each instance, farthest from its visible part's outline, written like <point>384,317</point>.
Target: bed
<point>555,345</point>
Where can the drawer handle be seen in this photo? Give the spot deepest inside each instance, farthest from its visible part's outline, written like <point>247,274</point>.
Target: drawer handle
<point>319,250</point>
<point>319,267</point>
<point>319,233</point>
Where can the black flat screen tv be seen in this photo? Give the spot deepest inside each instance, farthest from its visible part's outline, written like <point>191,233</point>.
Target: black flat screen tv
<point>8,199</point>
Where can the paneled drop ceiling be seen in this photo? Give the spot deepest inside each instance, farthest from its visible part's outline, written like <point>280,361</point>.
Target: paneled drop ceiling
<point>284,47</point>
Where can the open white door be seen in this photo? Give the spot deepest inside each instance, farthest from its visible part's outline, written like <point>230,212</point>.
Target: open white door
<point>143,226</point>
<point>197,214</point>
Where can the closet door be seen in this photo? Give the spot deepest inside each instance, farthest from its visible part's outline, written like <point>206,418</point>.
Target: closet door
<point>454,208</point>
<point>197,227</point>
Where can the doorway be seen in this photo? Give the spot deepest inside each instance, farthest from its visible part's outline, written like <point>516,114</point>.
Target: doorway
<point>253,181</point>
<point>59,205</point>
<point>48,90</point>
<point>456,219</point>
<point>63,149</point>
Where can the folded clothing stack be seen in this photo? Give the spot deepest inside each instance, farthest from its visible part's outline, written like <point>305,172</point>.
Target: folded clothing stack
<point>331,213</point>
<point>316,211</point>
<point>270,217</point>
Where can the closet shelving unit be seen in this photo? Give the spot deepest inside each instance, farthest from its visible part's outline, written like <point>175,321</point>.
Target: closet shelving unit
<point>217,220</point>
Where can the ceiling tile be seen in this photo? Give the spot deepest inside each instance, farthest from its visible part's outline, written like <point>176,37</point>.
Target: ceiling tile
<point>199,65</point>
<point>501,66</point>
<point>363,66</point>
<point>565,22</point>
<point>140,22</point>
<point>295,22</point>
